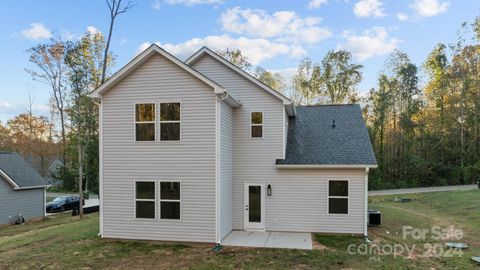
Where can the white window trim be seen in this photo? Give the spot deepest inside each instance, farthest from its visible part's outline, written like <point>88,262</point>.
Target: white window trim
<point>135,122</point>
<point>338,197</point>
<point>160,200</point>
<point>144,200</point>
<point>169,121</point>
<point>257,125</point>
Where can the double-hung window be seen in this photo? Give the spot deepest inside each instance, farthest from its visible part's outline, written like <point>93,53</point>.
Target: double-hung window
<point>256,124</point>
<point>170,200</point>
<point>145,122</point>
<point>145,199</point>
<point>170,121</point>
<point>338,197</point>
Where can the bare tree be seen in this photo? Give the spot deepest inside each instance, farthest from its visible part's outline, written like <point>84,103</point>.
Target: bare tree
<point>29,108</point>
<point>51,70</point>
<point>115,9</point>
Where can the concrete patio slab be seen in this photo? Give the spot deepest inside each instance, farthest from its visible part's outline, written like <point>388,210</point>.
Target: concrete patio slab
<point>291,240</point>
<point>246,239</point>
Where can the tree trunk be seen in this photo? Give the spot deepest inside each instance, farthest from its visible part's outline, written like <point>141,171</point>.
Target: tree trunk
<point>64,143</point>
<point>80,177</point>
<point>105,54</point>
<point>86,170</point>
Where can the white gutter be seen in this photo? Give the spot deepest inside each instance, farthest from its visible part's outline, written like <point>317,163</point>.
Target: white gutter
<point>15,185</point>
<point>9,180</point>
<point>229,99</point>
<point>32,187</point>
<point>290,108</point>
<point>324,166</point>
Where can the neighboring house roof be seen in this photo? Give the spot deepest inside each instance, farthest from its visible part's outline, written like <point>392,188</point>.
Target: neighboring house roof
<point>18,173</point>
<point>314,142</point>
<point>55,165</point>
<point>289,106</point>
<point>144,56</point>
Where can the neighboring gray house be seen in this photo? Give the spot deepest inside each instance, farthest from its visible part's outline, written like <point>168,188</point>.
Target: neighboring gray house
<point>22,189</point>
<point>190,151</point>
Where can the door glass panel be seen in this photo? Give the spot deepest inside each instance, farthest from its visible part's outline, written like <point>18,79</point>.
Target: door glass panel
<point>254,204</point>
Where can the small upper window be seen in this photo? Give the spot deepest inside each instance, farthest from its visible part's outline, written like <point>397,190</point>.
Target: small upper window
<point>169,200</point>
<point>170,121</point>
<point>145,122</point>
<point>338,197</point>
<point>256,124</point>
<point>145,200</point>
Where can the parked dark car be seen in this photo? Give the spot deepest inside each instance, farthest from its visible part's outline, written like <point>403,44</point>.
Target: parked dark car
<point>63,203</point>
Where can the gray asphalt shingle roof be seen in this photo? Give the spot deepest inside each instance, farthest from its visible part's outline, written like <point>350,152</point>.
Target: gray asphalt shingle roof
<point>313,141</point>
<point>21,172</point>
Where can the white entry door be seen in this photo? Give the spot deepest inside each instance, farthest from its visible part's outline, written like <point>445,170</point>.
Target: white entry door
<point>254,206</point>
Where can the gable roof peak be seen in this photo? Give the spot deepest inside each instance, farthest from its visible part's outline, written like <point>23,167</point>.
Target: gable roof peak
<point>140,59</point>
<point>19,173</point>
<point>289,106</point>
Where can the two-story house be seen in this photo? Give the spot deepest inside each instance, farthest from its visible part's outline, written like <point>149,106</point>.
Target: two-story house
<point>191,150</point>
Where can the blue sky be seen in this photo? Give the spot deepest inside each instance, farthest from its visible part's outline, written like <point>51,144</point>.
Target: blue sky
<point>274,34</point>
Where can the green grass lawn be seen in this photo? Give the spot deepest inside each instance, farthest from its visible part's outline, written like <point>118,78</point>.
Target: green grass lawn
<point>63,242</point>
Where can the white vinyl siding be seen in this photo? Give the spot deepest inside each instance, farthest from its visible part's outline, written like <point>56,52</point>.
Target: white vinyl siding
<point>299,199</point>
<point>254,160</point>
<point>226,169</point>
<point>193,160</point>
<point>29,202</point>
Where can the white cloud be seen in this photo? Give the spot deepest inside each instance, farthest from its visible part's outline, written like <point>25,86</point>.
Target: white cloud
<point>143,47</point>
<point>314,4</point>
<point>68,35</point>
<point>92,30</point>
<point>193,2</point>
<point>156,5</point>
<point>429,8</point>
<point>37,31</point>
<point>4,106</point>
<point>283,26</point>
<point>9,110</point>
<point>257,50</point>
<point>369,8</point>
<point>402,17</point>
<point>370,43</point>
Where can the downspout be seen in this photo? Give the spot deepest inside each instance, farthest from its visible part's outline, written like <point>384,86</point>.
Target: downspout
<point>218,102</point>
<point>45,202</point>
<point>365,221</point>
<point>100,165</point>
<point>218,99</point>
<point>99,103</point>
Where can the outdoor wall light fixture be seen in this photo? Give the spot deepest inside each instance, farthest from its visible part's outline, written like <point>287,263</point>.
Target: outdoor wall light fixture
<point>269,190</point>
